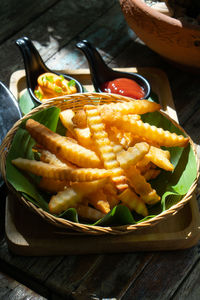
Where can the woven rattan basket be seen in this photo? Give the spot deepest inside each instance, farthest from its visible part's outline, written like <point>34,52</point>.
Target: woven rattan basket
<point>76,102</point>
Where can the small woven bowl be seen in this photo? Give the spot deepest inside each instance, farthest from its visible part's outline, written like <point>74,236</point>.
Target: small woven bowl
<point>76,102</point>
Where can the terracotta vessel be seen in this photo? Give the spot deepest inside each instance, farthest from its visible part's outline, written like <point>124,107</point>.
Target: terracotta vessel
<point>165,35</point>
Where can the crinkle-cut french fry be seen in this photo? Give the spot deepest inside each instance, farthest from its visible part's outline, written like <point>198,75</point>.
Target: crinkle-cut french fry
<point>144,163</point>
<point>130,199</point>
<point>66,119</point>
<point>160,158</point>
<point>132,107</point>
<point>71,139</point>
<point>151,174</point>
<point>134,139</point>
<point>64,200</point>
<point>84,138</point>
<point>117,148</point>
<point>89,213</point>
<point>144,167</point>
<point>53,185</point>
<point>111,192</point>
<point>86,188</point>
<point>134,117</point>
<point>99,200</point>
<point>125,140</point>
<point>80,119</point>
<point>70,197</point>
<point>62,173</point>
<point>119,137</point>
<point>58,145</point>
<point>157,135</point>
<point>100,136</point>
<point>141,186</point>
<point>88,174</point>
<point>114,141</point>
<point>48,157</point>
<point>110,188</point>
<point>132,155</point>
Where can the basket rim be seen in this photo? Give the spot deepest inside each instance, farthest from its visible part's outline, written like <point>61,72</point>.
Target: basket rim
<point>80,228</point>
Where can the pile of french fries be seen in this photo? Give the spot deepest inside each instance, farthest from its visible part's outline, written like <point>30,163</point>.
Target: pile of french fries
<point>107,157</point>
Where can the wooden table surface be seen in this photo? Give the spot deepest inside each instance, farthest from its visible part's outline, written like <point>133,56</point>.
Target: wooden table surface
<point>55,26</point>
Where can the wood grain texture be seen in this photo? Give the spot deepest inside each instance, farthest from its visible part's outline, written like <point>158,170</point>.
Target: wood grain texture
<point>17,14</point>
<point>189,288</point>
<point>51,30</point>
<point>164,274</point>
<point>101,33</point>
<point>112,277</point>
<point>11,289</point>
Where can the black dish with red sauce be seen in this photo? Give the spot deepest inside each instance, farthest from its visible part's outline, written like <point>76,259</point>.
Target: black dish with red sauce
<point>107,80</point>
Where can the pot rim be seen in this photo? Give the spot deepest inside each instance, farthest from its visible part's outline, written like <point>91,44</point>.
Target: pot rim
<point>142,6</point>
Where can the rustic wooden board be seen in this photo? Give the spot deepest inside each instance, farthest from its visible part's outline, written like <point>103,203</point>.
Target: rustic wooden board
<point>28,234</point>
<point>12,10</point>
<point>55,29</point>
<point>17,290</point>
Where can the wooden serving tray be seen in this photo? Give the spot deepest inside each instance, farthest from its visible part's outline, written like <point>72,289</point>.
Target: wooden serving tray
<point>28,234</point>
<point>156,77</point>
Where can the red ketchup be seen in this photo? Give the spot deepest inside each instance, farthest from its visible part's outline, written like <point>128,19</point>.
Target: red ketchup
<point>125,87</point>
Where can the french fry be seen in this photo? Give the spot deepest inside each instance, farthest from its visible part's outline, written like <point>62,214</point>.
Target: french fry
<point>89,213</point>
<point>87,188</point>
<point>141,186</point>
<point>58,145</point>
<point>134,139</point>
<point>144,168</point>
<point>64,200</point>
<point>84,138</point>
<point>70,197</point>
<point>144,164</point>
<point>160,158</point>
<point>66,119</point>
<point>157,135</point>
<point>108,111</point>
<point>62,173</point>
<point>119,137</point>
<point>102,142</point>
<point>133,202</point>
<point>116,146</point>
<point>111,191</point>
<point>132,155</point>
<point>99,201</point>
<point>48,157</point>
<point>151,174</point>
<point>125,140</point>
<point>53,185</point>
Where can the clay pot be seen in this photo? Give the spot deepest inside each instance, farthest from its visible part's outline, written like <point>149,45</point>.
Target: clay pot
<point>165,35</point>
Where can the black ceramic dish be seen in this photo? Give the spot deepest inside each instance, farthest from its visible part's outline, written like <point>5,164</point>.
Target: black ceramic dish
<point>9,110</point>
<point>34,66</point>
<point>9,114</point>
<point>100,72</point>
